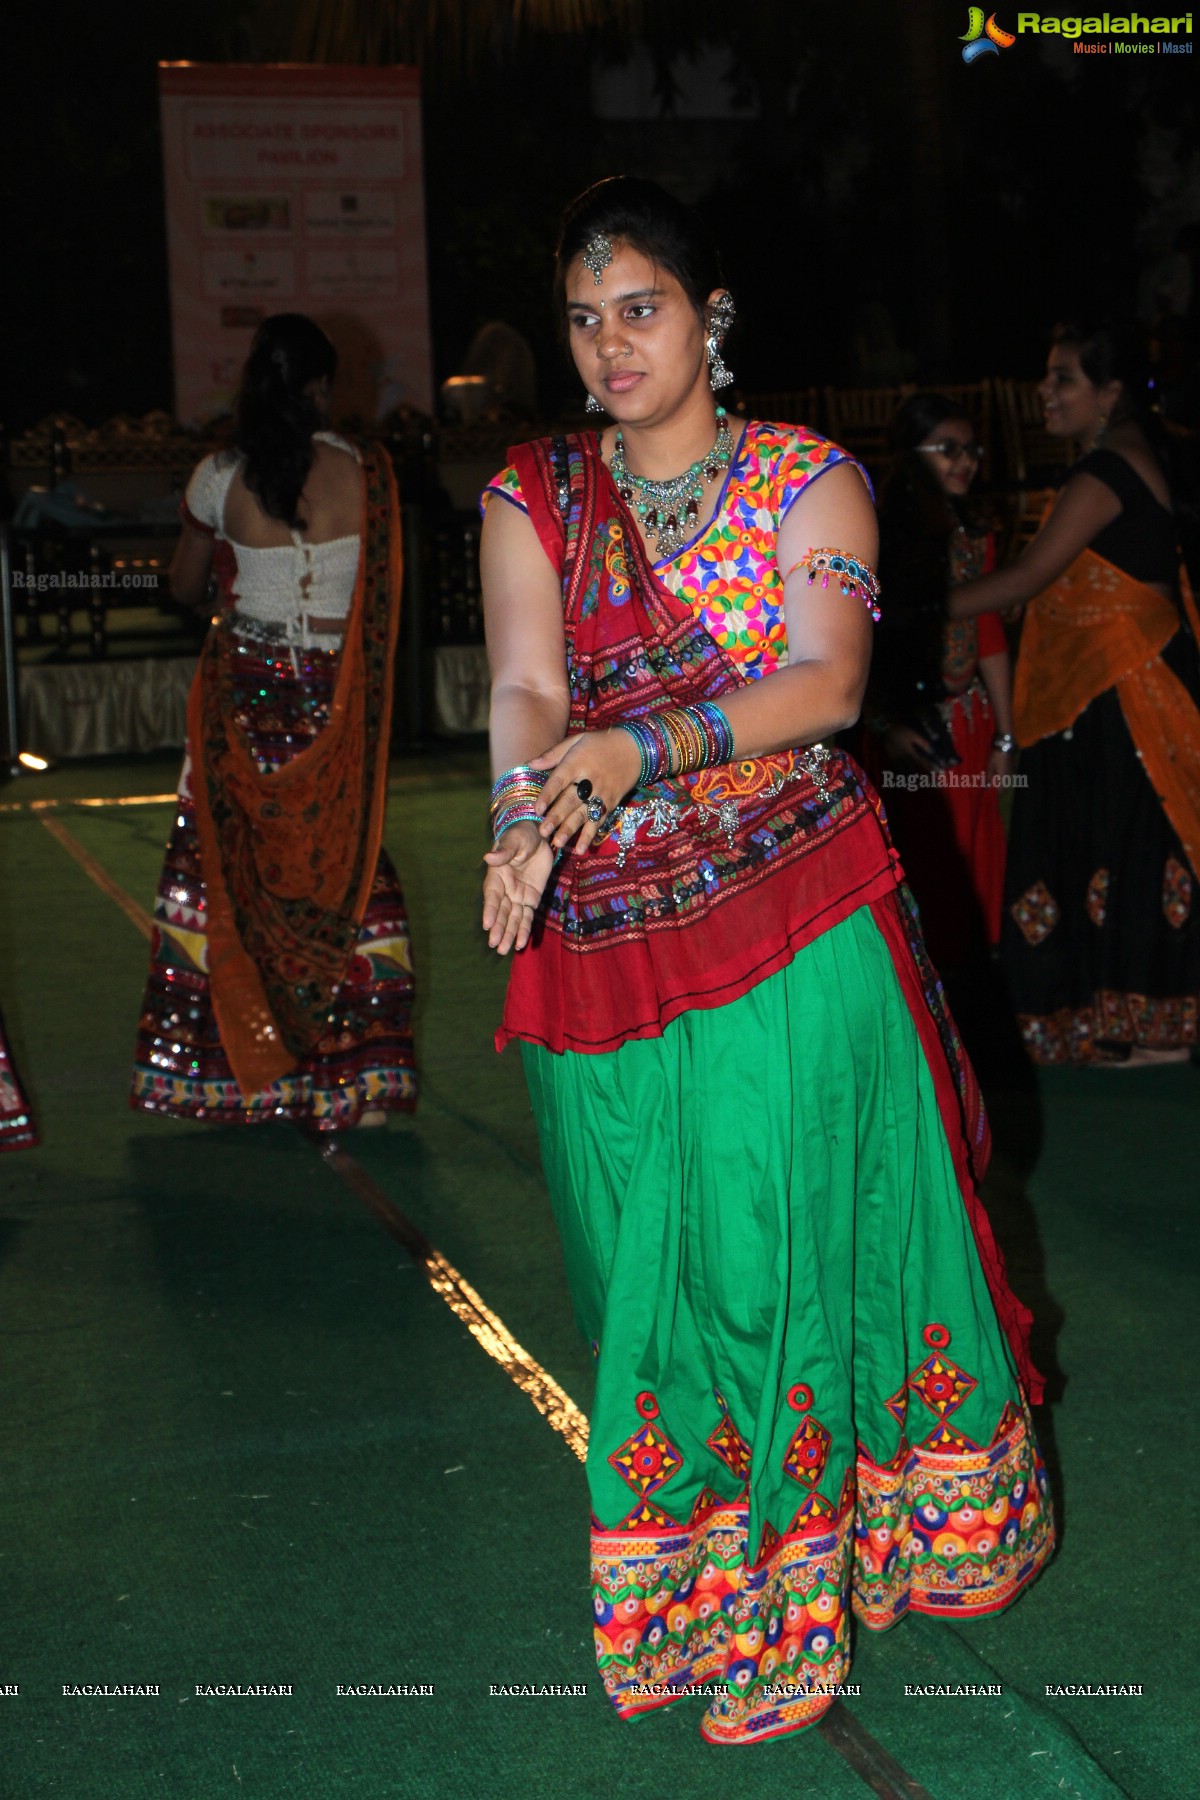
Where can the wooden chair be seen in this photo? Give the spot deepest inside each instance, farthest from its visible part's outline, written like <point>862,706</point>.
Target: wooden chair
<point>1022,513</point>
<point>799,406</point>
<point>858,419</point>
<point>1032,458</point>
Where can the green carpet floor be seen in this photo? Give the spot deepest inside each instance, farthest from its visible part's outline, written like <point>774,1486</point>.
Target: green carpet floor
<point>245,1443</point>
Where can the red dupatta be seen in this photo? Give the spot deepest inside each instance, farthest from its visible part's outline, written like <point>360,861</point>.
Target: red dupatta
<point>289,856</point>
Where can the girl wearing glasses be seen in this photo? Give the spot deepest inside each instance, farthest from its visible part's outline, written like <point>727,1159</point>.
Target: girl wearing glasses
<point>940,710</point>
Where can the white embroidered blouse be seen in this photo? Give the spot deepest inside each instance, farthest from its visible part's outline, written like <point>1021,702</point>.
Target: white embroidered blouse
<point>277,589</point>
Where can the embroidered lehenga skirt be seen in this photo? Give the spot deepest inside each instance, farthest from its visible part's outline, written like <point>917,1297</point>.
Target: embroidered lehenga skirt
<point>1101,924</point>
<point>805,1404</point>
<point>364,1058</point>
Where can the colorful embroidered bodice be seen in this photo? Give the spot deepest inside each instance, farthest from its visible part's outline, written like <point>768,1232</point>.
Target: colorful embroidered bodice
<point>728,573</point>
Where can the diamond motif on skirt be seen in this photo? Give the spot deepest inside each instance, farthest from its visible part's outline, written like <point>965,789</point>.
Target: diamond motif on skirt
<point>943,1438</point>
<point>816,1514</point>
<point>1008,1419</point>
<point>807,1453</point>
<point>1097,897</point>
<point>644,1514</point>
<point>771,1541</point>
<point>646,1460</point>
<point>898,1404</point>
<point>1176,894</point>
<point>942,1385</point>
<point>732,1448</point>
<point>1036,913</point>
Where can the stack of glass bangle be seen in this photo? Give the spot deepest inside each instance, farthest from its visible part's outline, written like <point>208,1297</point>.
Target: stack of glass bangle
<point>679,740</point>
<point>514,797</point>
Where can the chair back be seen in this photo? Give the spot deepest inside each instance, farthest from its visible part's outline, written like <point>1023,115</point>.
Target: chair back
<point>1031,456</point>
<point>794,406</point>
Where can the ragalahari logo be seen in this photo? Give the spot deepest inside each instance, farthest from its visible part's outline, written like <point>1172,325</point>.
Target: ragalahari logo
<point>983,39</point>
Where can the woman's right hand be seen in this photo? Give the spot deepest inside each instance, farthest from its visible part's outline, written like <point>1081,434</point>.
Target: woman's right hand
<point>517,872</point>
<point>902,744</point>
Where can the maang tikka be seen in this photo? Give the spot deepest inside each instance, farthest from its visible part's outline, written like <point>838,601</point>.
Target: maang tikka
<point>597,255</point>
<point>723,312</point>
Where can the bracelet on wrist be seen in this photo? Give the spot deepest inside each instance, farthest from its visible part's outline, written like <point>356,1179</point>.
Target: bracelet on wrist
<point>1005,742</point>
<point>679,740</point>
<point>514,796</point>
<point>515,815</point>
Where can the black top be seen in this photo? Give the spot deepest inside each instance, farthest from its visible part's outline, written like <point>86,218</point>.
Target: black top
<point>1142,539</point>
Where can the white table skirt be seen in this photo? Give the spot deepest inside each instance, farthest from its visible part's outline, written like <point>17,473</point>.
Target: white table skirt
<point>461,688</point>
<point>105,708</point>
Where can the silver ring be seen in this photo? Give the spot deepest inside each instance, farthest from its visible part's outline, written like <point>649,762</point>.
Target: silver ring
<point>596,810</point>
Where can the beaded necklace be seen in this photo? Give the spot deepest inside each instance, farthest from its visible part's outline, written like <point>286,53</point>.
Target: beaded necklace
<point>670,510</point>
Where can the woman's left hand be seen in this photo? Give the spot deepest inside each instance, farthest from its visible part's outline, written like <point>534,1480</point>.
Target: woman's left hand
<point>608,760</point>
<point>1000,765</point>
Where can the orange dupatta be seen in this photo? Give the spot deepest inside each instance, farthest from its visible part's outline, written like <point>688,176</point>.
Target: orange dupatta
<point>1097,628</point>
<point>289,856</point>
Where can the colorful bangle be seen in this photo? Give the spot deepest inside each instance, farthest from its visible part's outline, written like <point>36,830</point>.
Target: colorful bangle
<point>514,798</point>
<point>679,740</point>
<point>515,815</point>
<point>854,576</point>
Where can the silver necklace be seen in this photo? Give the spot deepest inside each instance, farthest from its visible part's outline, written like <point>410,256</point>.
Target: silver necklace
<point>670,510</point>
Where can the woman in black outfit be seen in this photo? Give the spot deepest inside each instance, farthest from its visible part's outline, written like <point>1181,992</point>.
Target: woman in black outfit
<point>1100,929</point>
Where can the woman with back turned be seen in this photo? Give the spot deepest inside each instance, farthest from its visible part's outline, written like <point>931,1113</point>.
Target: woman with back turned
<point>759,1131</point>
<point>280,979</point>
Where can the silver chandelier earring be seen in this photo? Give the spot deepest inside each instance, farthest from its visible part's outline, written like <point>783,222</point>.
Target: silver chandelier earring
<point>592,405</point>
<point>722,317</point>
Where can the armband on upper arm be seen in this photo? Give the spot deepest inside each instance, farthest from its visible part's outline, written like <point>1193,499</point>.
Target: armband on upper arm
<point>852,574</point>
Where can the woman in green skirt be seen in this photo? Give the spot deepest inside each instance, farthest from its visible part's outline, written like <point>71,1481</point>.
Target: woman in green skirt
<point>760,1131</point>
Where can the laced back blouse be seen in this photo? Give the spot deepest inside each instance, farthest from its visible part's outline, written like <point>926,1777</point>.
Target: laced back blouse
<point>275,591</point>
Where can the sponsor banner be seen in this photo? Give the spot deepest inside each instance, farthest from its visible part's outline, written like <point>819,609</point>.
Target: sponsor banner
<point>292,188</point>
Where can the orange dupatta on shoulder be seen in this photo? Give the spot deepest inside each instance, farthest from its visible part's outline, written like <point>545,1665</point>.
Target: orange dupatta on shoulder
<point>289,856</point>
<point>1097,628</point>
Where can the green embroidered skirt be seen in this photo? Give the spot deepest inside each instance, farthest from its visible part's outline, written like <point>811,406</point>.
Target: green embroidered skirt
<point>804,1400</point>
